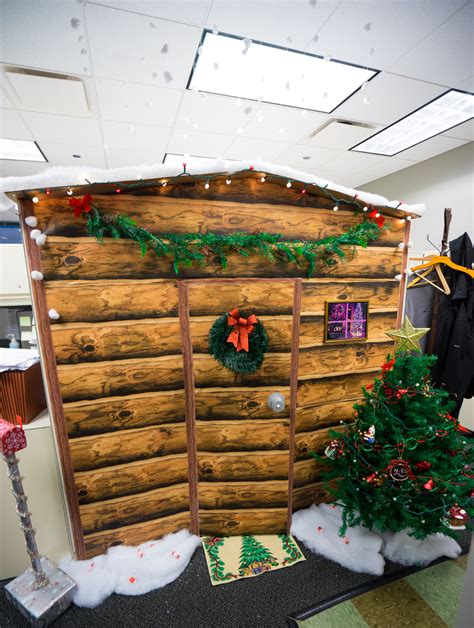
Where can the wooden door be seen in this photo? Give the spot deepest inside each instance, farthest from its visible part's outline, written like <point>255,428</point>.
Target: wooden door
<point>243,451</point>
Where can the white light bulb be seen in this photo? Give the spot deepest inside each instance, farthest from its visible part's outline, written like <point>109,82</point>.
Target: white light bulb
<point>164,183</point>
<point>139,176</point>
<point>288,185</point>
<point>335,208</point>
<point>35,199</point>
<point>53,314</point>
<point>36,275</point>
<point>35,233</point>
<point>401,246</point>
<point>206,185</point>
<point>228,181</point>
<point>398,277</point>
<point>408,218</point>
<point>365,209</point>
<point>41,239</point>
<point>377,215</point>
<point>262,179</point>
<point>69,192</point>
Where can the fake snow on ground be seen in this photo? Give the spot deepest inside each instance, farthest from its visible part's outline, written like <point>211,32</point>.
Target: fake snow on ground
<point>62,176</point>
<point>362,550</point>
<point>131,570</point>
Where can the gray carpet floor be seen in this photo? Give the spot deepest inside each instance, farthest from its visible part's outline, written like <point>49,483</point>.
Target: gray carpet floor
<point>191,601</point>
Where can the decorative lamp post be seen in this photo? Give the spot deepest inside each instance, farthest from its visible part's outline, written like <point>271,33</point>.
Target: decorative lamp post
<point>42,592</point>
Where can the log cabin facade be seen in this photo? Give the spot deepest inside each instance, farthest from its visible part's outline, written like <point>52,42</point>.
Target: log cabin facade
<point>153,435</point>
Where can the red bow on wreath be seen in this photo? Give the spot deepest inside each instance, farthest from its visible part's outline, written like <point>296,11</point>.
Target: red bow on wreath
<point>81,205</point>
<point>243,327</point>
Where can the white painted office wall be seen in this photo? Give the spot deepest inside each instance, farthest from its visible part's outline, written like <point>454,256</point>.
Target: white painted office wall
<point>443,181</point>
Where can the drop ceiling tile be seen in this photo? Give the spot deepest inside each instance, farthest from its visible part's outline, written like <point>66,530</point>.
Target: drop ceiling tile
<point>58,129</point>
<point>13,168</point>
<point>5,102</point>
<point>217,114</point>
<point>45,35</point>
<point>127,102</point>
<point>309,158</point>
<point>62,154</point>
<point>464,131</point>
<point>248,148</point>
<point>431,148</point>
<point>118,158</point>
<point>12,126</point>
<point>190,142</point>
<point>349,180</point>
<point>390,98</point>
<point>133,47</point>
<point>285,124</point>
<point>353,162</point>
<point>375,34</point>
<point>445,56</point>
<point>136,137</point>
<point>188,12</point>
<point>386,165</point>
<point>467,85</point>
<point>281,23</point>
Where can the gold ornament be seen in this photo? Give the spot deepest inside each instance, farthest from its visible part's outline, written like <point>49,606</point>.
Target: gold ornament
<point>407,338</point>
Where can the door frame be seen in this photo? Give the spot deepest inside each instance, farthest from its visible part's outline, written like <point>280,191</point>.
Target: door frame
<point>190,405</point>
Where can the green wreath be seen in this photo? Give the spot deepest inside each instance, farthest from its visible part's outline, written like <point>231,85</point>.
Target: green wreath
<point>230,336</point>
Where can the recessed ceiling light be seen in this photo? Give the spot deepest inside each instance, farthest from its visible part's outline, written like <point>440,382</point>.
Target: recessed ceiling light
<point>20,150</point>
<point>292,78</point>
<point>439,115</point>
<point>191,161</point>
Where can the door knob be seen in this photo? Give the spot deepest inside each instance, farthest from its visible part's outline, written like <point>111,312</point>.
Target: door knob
<point>276,401</point>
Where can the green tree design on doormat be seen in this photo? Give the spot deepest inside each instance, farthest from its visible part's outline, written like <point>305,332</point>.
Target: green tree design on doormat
<point>255,558</point>
<point>216,564</point>
<point>290,547</point>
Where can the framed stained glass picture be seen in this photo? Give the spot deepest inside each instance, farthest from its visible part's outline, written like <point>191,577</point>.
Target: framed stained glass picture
<point>346,321</point>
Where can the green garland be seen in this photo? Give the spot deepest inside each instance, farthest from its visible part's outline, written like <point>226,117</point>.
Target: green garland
<point>188,249</point>
<point>224,352</point>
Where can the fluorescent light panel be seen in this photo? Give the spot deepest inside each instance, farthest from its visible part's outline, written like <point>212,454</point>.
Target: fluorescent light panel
<point>438,116</point>
<point>20,150</point>
<point>274,75</point>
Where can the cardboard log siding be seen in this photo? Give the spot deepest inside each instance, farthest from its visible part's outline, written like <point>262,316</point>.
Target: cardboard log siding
<point>128,435</point>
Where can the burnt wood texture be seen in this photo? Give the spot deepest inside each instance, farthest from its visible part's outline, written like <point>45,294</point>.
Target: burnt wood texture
<point>154,435</point>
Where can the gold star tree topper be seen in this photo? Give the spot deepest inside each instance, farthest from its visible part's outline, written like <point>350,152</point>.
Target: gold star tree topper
<point>407,338</point>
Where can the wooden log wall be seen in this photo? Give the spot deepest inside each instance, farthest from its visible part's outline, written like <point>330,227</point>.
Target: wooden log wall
<point>118,347</point>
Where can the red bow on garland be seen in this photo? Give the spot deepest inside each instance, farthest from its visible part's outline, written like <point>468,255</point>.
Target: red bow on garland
<point>387,366</point>
<point>81,205</point>
<point>380,220</point>
<point>243,327</point>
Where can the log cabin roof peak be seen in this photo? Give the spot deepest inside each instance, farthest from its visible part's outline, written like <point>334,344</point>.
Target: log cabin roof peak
<point>140,178</point>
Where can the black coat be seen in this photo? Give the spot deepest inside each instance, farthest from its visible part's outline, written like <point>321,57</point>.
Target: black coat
<point>454,341</point>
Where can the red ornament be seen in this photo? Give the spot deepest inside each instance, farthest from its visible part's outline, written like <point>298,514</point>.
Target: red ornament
<point>456,518</point>
<point>319,529</point>
<point>429,486</point>
<point>81,205</point>
<point>424,465</point>
<point>12,437</point>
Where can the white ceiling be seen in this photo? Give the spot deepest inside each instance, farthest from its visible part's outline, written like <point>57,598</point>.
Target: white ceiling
<point>130,60</point>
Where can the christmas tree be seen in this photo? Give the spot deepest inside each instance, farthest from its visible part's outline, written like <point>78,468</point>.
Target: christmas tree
<point>254,556</point>
<point>357,325</point>
<point>403,464</point>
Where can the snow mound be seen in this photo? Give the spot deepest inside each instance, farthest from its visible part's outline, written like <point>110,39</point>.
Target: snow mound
<point>363,550</point>
<point>72,175</point>
<point>318,528</point>
<point>131,570</point>
<point>401,548</point>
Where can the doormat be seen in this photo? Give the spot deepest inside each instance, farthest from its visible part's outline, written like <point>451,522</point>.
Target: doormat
<point>231,558</point>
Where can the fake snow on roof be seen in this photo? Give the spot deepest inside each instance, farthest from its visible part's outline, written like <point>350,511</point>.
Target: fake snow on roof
<point>65,176</point>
